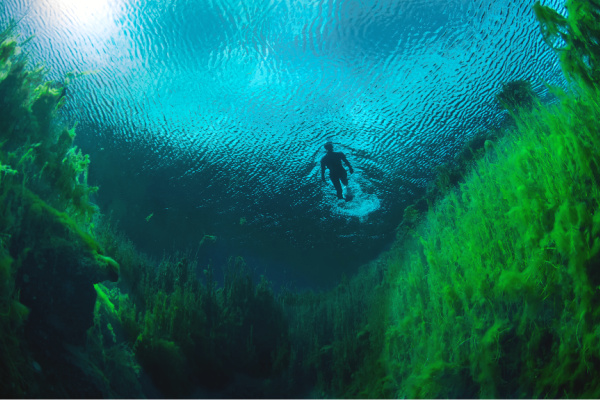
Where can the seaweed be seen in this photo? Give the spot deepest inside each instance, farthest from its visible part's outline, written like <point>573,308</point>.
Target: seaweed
<point>497,296</point>
<point>575,37</point>
<point>49,259</point>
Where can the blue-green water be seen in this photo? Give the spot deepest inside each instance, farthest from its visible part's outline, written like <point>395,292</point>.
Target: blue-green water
<point>209,117</point>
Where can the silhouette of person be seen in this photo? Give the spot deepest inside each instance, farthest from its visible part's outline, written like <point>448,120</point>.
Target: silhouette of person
<point>333,161</point>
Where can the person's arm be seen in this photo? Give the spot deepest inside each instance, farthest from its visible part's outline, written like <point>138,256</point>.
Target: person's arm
<point>323,170</point>
<point>347,163</point>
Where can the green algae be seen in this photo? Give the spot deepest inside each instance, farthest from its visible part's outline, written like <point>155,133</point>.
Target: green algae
<point>499,295</point>
<point>576,38</point>
<point>183,332</point>
<point>508,257</point>
<point>46,243</point>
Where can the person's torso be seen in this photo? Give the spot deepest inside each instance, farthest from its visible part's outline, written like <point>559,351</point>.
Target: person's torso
<point>333,161</point>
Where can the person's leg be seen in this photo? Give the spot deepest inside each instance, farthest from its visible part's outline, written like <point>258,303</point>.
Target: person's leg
<point>344,178</point>
<point>338,186</point>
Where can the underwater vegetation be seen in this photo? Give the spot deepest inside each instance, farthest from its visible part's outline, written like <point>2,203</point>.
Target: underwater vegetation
<point>186,333</point>
<point>514,97</point>
<point>517,96</point>
<point>575,38</point>
<point>498,294</point>
<point>45,220</point>
<point>195,337</point>
<point>337,336</point>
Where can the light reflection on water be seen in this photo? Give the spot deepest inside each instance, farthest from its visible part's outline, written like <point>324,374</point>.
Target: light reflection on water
<point>224,106</point>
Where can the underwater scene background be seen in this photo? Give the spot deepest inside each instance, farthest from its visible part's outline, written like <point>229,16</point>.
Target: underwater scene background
<point>211,116</point>
<point>164,231</point>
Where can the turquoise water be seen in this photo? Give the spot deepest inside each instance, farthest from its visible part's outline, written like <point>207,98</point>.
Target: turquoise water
<point>209,117</point>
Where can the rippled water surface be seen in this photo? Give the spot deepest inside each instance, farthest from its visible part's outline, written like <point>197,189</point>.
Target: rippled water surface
<point>208,117</point>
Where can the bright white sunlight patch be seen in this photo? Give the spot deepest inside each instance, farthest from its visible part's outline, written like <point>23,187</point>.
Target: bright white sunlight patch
<point>86,11</point>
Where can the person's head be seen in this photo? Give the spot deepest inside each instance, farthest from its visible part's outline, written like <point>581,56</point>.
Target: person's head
<point>329,147</point>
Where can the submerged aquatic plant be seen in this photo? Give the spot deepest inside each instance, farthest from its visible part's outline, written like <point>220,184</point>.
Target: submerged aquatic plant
<point>49,259</point>
<point>517,96</point>
<point>185,333</point>
<point>498,296</point>
<point>575,37</point>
